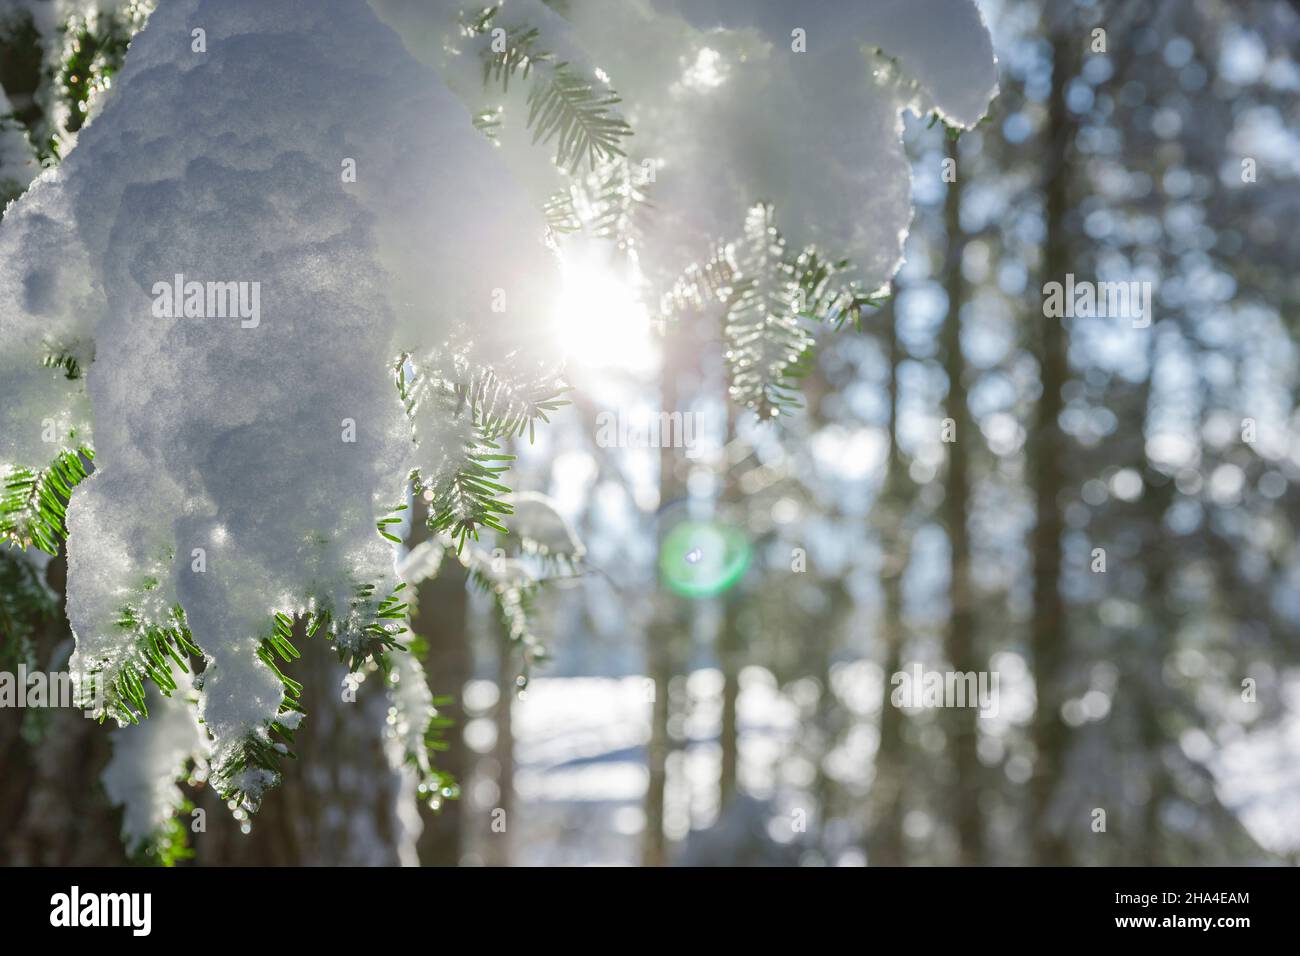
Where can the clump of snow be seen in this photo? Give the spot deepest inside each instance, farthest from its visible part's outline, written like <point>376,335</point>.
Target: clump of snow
<point>410,711</point>
<point>45,298</point>
<point>733,107</point>
<point>730,107</point>
<point>942,45</point>
<point>246,445</point>
<point>541,529</point>
<point>147,760</point>
<point>422,562</point>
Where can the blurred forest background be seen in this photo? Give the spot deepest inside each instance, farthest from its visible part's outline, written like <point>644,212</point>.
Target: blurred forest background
<point>754,726</point>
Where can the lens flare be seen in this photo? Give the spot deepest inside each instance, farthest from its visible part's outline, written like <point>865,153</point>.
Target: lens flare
<point>699,559</point>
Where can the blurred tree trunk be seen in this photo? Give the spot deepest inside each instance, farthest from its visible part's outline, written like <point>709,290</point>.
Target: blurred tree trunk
<point>959,643</point>
<point>730,649</point>
<point>667,632</point>
<point>504,751</point>
<point>731,644</point>
<point>1153,698</point>
<point>885,838</point>
<point>1157,639</point>
<point>664,633</point>
<point>1049,633</point>
<point>53,810</point>
<point>822,642</point>
<point>441,617</point>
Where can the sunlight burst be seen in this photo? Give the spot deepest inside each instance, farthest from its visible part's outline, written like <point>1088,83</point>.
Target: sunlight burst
<point>601,322</point>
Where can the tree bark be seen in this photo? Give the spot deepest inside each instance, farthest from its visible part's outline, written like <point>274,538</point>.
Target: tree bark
<point>1049,628</point>
<point>504,752</point>
<point>53,810</point>
<point>959,642</point>
<point>885,836</point>
<point>731,643</point>
<point>666,634</point>
<point>441,617</point>
<point>729,650</point>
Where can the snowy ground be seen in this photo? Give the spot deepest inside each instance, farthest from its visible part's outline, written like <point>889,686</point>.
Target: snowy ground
<point>581,774</point>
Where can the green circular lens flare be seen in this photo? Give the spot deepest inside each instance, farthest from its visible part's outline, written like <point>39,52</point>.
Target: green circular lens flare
<point>700,559</point>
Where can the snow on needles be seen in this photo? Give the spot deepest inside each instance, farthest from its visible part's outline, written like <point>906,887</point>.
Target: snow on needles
<point>727,112</point>
<point>248,432</point>
<point>237,300</point>
<point>740,101</point>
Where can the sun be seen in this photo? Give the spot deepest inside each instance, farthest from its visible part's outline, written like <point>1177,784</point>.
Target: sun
<point>600,320</point>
